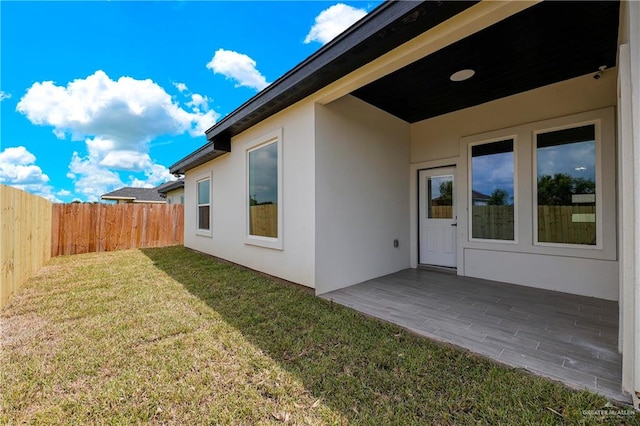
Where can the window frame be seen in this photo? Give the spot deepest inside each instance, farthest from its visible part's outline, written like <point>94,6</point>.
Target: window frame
<point>276,243</point>
<point>597,123</point>
<point>201,231</point>
<point>514,138</point>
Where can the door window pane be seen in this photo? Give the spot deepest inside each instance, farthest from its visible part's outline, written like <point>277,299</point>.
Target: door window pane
<point>263,191</point>
<point>492,191</point>
<point>566,186</point>
<point>439,197</point>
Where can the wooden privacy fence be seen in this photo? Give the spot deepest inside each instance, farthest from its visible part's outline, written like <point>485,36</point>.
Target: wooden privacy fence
<point>492,222</point>
<point>558,224</point>
<point>25,238</point>
<point>264,220</point>
<point>84,228</point>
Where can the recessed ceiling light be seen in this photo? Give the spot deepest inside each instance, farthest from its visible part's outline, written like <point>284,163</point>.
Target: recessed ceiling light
<point>462,75</point>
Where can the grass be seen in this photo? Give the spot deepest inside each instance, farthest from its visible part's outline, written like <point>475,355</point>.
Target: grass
<point>170,336</point>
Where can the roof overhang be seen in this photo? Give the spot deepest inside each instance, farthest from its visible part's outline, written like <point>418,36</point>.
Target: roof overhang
<point>388,26</point>
<point>171,186</point>
<point>208,152</point>
<point>512,46</point>
<point>545,44</point>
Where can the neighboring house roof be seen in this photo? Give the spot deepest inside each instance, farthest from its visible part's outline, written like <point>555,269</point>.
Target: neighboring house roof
<point>479,196</point>
<point>136,195</point>
<point>529,49</point>
<point>170,186</point>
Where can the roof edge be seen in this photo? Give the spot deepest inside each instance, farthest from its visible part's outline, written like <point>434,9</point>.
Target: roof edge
<point>313,57</point>
<point>383,29</point>
<point>202,155</point>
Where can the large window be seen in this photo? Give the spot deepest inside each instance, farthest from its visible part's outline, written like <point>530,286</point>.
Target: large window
<point>204,204</point>
<point>492,194</point>
<point>566,186</point>
<point>263,192</point>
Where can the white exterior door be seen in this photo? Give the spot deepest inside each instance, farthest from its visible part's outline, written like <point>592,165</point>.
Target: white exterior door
<point>438,222</point>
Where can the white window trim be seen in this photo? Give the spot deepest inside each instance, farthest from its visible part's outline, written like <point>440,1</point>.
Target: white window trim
<point>267,242</point>
<point>599,212</point>
<point>526,145</point>
<point>204,232</point>
<point>514,138</point>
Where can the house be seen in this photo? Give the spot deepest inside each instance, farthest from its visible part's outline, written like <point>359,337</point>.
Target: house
<point>172,192</point>
<point>479,199</point>
<point>323,178</point>
<point>128,195</point>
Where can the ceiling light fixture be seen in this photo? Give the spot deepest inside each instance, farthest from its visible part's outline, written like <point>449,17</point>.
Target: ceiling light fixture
<point>462,75</point>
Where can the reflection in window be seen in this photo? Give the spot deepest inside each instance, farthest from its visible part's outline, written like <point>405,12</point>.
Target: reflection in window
<point>566,186</point>
<point>204,204</point>
<point>263,191</point>
<point>492,191</point>
<point>440,197</point>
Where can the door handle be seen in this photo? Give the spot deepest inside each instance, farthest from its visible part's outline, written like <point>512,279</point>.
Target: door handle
<point>454,224</point>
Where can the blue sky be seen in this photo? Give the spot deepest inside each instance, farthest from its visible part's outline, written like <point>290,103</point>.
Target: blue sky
<point>99,95</point>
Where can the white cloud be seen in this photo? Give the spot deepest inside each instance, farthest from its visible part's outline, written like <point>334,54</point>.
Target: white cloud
<point>198,103</point>
<point>91,180</point>
<point>4,95</point>
<point>63,193</point>
<point>127,111</point>
<point>181,86</point>
<point>332,21</point>
<point>155,176</point>
<point>18,169</point>
<point>117,120</point>
<point>92,176</point>
<point>239,67</point>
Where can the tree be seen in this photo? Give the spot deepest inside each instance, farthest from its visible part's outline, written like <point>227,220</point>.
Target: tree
<point>558,189</point>
<point>498,197</point>
<point>584,186</point>
<point>446,193</point>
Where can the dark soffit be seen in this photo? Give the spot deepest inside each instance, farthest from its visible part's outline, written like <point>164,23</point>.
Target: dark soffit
<point>545,44</point>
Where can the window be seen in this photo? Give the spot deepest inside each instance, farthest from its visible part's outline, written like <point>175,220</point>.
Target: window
<point>566,186</point>
<point>492,194</point>
<point>264,191</point>
<point>440,197</point>
<point>204,204</point>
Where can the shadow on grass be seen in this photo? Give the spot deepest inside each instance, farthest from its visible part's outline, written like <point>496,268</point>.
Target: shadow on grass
<point>370,371</point>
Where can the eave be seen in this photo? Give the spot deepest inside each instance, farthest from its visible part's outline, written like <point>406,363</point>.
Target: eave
<point>382,30</point>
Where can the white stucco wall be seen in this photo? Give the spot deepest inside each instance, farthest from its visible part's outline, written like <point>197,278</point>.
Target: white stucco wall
<point>362,197</point>
<point>295,262</point>
<point>444,141</point>
<point>629,186</point>
<point>173,197</point>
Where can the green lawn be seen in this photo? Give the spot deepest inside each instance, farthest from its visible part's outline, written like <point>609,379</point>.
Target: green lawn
<point>170,336</point>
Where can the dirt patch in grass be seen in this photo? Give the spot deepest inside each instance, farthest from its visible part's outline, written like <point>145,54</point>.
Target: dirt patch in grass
<point>170,336</point>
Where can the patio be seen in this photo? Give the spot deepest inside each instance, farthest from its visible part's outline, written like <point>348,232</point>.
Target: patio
<point>557,335</point>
